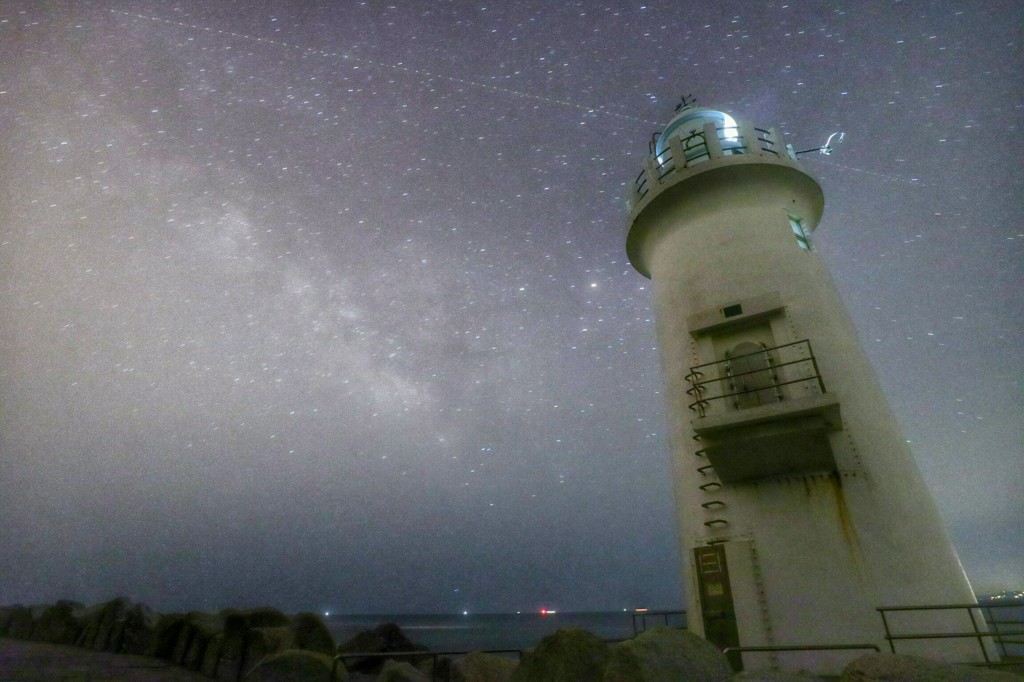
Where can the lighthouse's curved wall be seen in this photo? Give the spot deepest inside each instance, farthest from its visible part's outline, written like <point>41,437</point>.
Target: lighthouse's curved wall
<point>811,550</point>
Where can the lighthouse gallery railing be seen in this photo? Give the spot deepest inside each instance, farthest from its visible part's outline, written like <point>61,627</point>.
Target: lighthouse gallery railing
<point>694,149</point>
<point>760,379</point>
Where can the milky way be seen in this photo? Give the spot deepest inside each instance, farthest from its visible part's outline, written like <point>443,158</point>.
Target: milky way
<point>327,305</point>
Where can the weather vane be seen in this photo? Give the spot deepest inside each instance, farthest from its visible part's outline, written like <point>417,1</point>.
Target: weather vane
<point>826,148</point>
<point>685,101</point>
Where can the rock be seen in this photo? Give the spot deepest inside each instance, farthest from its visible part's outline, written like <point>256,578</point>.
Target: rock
<point>59,624</point>
<point>383,638</point>
<point>401,671</point>
<point>295,665</point>
<point>19,623</point>
<point>242,647</point>
<point>479,667</point>
<point>232,650</point>
<point>387,638</point>
<point>194,638</point>
<point>89,619</point>
<point>309,632</point>
<point>5,618</point>
<point>139,634</point>
<point>264,642</point>
<point>212,656</point>
<point>110,625</point>
<point>567,655</point>
<point>775,676</point>
<point>168,628</point>
<point>36,612</point>
<point>207,633</point>
<point>660,654</point>
<point>896,668</point>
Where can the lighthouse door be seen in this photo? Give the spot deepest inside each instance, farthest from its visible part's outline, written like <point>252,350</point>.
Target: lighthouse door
<point>717,609</point>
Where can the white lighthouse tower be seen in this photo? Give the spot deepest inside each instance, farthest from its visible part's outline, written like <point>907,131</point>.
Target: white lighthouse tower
<point>800,508</point>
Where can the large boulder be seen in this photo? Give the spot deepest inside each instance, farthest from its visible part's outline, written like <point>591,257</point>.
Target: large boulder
<point>663,654</point>
<point>59,624</point>
<point>232,649</point>
<point>309,632</point>
<point>567,655</point>
<point>295,666</point>
<point>383,639</point>
<point>110,624</point>
<point>139,633</point>
<point>194,638</point>
<point>264,642</point>
<point>168,629</point>
<point>775,676</point>
<point>212,656</point>
<point>20,622</point>
<point>102,625</point>
<point>5,618</point>
<point>896,668</point>
<point>401,671</point>
<point>480,667</point>
<point>89,620</point>
<point>241,647</point>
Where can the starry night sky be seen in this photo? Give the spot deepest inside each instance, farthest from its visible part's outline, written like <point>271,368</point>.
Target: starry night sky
<point>325,305</point>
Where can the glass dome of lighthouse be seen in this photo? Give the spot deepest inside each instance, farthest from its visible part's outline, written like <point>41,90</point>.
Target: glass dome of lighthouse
<point>689,123</point>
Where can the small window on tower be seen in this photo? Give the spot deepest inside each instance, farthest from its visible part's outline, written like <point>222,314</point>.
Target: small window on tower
<point>803,236</point>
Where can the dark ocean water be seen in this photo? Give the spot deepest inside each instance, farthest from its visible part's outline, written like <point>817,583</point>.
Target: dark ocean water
<point>475,632</point>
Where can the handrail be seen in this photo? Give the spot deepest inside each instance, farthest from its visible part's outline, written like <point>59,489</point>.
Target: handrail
<point>941,607</point>
<point>800,647</point>
<point>699,384</point>
<point>642,615</point>
<point>976,632</point>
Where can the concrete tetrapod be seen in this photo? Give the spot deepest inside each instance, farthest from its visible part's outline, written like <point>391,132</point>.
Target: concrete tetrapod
<point>567,655</point>
<point>663,654</point>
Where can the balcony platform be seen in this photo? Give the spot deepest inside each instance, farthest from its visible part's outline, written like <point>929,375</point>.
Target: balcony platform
<point>787,437</point>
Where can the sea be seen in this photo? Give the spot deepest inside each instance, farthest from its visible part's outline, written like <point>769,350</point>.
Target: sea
<point>519,631</point>
<point>499,631</point>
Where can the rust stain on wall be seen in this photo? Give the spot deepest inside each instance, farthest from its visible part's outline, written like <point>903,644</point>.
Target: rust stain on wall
<point>845,520</point>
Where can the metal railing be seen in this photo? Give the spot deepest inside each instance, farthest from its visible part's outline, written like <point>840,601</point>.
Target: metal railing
<point>997,635</point>
<point>695,149</point>
<point>796,647</point>
<point>640,618</point>
<point>752,382</point>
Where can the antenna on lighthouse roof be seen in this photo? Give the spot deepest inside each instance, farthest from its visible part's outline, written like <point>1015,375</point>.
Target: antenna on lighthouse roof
<point>685,101</point>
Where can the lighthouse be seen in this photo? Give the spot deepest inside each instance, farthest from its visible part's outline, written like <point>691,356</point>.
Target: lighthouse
<point>800,509</point>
